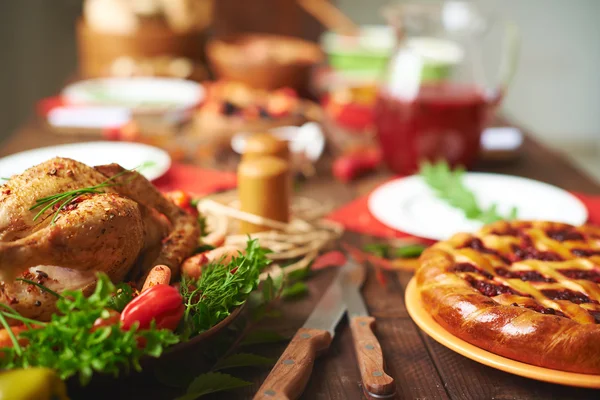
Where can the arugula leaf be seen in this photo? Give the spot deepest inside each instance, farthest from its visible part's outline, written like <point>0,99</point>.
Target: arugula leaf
<point>295,290</point>
<point>410,251</point>
<point>262,337</point>
<point>268,289</point>
<point>220,289</point>
<point>379,249</point>
<point>298,275</point>
<point>68,344</point>
<point>212,382</point>
<point>384,250</point>
<point>448,185</point>
<point>243,360</point>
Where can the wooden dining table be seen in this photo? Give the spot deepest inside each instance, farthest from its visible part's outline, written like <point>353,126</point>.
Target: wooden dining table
<point>422,368</point>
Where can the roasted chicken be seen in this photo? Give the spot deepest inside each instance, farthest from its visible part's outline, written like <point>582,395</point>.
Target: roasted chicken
<point>123,231</point>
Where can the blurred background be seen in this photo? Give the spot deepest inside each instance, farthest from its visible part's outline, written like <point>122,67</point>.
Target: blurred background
<point>555,92</point>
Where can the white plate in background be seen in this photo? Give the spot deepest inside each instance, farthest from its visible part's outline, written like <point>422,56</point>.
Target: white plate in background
<point>128,155</point>
<point>138,94</point>
<point>409,205</point>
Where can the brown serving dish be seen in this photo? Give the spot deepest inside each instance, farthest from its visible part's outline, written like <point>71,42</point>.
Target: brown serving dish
<point>264,61</point>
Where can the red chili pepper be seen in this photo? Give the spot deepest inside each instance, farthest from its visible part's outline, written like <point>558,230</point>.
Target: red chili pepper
<point>161,303</point>
<point>351,166</point>
<point>381,278</point>
<point>329,259</point>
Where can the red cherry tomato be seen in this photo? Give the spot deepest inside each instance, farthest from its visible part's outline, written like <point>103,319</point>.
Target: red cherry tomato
<point>161,303</point>
<point>182,200</point>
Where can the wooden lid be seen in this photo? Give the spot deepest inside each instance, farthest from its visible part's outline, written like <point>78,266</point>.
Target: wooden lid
<point>262,167</point>
<point>266,144</point>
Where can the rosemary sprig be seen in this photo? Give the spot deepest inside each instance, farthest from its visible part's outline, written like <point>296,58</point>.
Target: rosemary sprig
<point>449,186</point>
<point>40,286</point>
<point>68,197</point>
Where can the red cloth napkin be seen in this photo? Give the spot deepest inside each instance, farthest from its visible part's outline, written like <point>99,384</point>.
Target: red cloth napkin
<point>355,216</point>
<point>194,180</point>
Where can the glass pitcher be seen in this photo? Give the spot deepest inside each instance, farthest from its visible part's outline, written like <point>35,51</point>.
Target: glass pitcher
<point>434,100</point>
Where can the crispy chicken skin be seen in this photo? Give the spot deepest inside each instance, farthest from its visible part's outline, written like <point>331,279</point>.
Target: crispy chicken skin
<point>123,232</point>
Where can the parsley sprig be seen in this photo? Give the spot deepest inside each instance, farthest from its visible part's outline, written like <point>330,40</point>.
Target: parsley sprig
<point>67,343</point>
<point>449,186</point>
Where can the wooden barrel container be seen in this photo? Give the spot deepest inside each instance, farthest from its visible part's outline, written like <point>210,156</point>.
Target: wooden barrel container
<point>228,61</point>
<point>98,50</point>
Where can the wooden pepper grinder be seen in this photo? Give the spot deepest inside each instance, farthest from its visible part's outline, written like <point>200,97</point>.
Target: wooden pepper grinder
<point>264,189</point>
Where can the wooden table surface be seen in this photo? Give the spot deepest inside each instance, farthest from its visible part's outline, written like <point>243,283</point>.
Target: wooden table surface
<point>422,368</point>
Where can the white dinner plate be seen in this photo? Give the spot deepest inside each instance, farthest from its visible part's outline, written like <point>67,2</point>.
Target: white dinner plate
<point>128,155</point>
<point>138,94</point>
<point>410,206</point>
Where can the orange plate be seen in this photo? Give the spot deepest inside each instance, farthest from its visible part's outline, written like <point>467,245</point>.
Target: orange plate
<point>439,334</point>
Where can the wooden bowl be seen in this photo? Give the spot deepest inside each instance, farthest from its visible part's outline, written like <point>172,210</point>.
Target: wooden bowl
<point>185,352</point>
<point>153,39</point>
<point>264,61</point>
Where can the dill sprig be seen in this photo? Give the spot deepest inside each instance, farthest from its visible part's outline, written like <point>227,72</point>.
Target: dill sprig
<point>449,186</point>
<point>220,289</point>
<point>65,198</point>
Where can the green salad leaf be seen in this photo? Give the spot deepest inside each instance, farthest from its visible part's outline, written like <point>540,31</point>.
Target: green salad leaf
<point>448,186</point>
<point>69,345</point>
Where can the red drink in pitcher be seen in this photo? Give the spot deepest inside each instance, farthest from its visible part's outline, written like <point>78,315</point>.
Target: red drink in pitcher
<point>443,121</point>
<point>435,97</point>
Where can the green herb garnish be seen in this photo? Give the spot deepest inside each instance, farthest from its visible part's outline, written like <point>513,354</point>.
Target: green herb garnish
<point>40,286</point>
<point>61,200</point>
<point>68,345</point>
<point>384,250</point>
<point>220,289</point>
<point>449,186</point>
<point>122,295</point>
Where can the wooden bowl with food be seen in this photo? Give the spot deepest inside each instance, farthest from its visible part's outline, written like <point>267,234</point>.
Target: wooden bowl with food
<point>264,61</point>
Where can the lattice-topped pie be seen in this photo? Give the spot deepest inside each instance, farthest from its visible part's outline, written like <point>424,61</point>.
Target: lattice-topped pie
<point>529,291</point>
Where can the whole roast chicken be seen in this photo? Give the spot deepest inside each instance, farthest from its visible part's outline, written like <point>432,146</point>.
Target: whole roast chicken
<point>123,228</point>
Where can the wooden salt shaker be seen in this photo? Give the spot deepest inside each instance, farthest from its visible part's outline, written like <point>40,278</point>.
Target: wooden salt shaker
<point>264,189</point>
<point>266,144</point>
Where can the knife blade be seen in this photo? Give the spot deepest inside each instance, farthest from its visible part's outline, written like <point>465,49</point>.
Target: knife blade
<point>291,373</point>
<point>376,383</point>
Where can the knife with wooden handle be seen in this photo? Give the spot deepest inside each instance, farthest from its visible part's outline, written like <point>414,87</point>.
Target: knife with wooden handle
<point>291,373</point>
<point>376,383</point>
